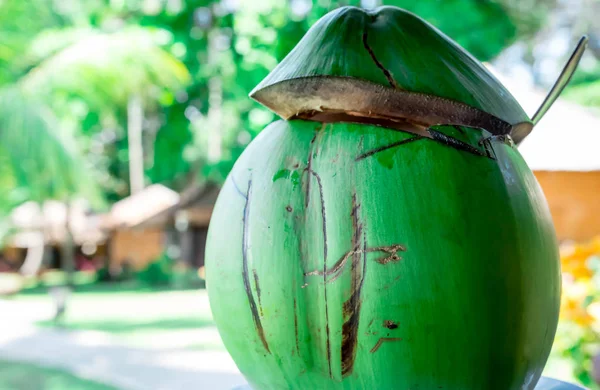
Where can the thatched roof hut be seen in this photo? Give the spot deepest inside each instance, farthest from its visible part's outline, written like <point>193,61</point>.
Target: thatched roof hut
<point>158,219</point>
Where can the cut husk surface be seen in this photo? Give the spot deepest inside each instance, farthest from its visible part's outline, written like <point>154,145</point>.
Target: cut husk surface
<point>390,65</point>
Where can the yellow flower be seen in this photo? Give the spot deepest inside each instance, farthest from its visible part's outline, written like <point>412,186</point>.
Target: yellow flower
<point>594,311</point>
<point>574,258</point>
<point>571,309</point>
<point>573,301</point>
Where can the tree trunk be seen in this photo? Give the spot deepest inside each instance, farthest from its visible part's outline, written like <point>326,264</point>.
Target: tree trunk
<point>68,247</point>
<point>135,116</point>
<point>35,256</point>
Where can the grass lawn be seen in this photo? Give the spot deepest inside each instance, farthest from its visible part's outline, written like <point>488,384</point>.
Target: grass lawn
<point>137,317</point>
<point>24,376</point>
<point>121,332</point>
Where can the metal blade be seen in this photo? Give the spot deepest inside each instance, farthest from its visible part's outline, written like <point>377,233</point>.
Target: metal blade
<point>562,81</point>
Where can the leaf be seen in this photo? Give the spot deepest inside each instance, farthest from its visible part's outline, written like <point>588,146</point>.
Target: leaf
<point>40,158</point>
<point>105,69</point>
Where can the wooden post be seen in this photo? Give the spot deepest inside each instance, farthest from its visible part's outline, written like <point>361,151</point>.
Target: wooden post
<point>68,246</point>
<point>135,116</point>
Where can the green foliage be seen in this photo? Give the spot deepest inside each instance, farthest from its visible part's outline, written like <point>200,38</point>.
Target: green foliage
<point>485,28</point>
<point>14,375</point>
<point>83,61</point>
<point>36,155</point>
<point>585,93</point>
<point>104,69</point>
<point>528,16</point>
<point>21,21</point>
<point>158,272</point>
<point>68,85</point>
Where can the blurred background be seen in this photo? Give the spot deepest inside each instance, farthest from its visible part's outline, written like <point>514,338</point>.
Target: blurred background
<point>120,119</point>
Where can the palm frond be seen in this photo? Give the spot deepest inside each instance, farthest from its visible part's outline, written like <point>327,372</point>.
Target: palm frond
<point>105,67</point>
<point>102,69</point>
<point>40,158</point>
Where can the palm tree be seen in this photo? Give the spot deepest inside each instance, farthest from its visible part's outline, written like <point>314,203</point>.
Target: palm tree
<point>108,71</point>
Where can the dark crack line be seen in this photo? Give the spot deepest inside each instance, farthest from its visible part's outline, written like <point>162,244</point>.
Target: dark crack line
<point>383,340</point>
<point>460,129</point>
<point>324,227</point>
<point>504,138</point>
<point>336,269</point>
<point>320,184</point>
<point>351,307</point>
<point>245,276</point>
<point>237,188</point>
<point>299,236</point>
<point>386,72</point>
<point>257,288</point>
<point>299,232</point>
<point>324,218</point>
<point>386,147</point>
<point>455,143</point>
<point>487,146</point>
<point>309,169</point>
<point>296,326</point>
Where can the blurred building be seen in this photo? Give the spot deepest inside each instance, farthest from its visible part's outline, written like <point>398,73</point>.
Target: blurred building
<point>42,231</point>
<point>137,231</point>
<point>158,221</point>
<point>133,245</point>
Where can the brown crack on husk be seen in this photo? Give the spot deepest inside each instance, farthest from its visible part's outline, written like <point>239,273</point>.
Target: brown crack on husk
<point>383,340</point>
<point>336,270</point>
<point>351,307</point>
<point>386,72</point>
<point>364,155</point>
<point>311,174</point>
<point>245,271</point>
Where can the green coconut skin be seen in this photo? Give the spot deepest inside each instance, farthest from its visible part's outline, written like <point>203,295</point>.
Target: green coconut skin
<point>441,261</point>
<point>392,47</point>
<point>413,250</point>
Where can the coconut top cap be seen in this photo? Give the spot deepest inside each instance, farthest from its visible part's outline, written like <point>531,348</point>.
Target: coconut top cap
<point>390,54</point>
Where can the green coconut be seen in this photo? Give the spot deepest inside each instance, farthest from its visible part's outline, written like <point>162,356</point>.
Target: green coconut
<point>386,234</point>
